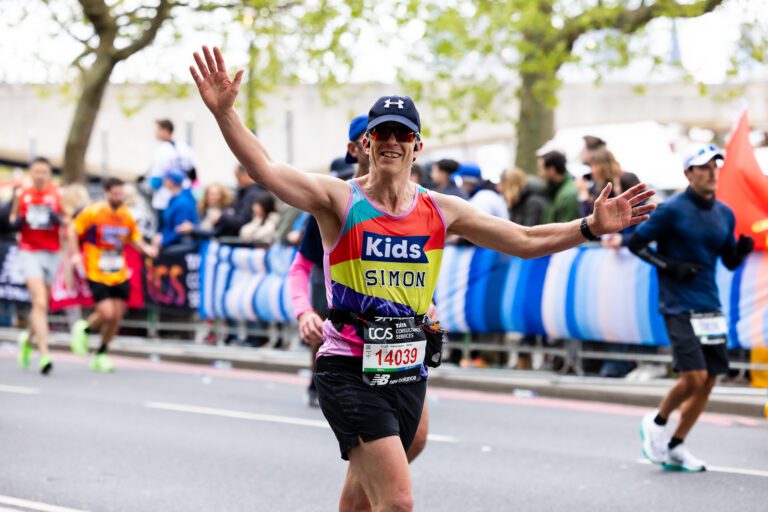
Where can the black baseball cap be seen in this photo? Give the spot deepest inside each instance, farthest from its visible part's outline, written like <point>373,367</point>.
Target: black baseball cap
<point>394,109</point>
<point>341,169</point>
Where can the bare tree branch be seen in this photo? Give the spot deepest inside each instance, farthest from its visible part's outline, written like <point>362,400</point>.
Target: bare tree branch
<point>162,12</point>
<point>63,26</point>
<point>630,21</point>
<point>88,50</point>
<point>98,13</point>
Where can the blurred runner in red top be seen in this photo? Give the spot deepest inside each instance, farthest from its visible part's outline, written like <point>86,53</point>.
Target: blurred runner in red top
<point>36,212</point>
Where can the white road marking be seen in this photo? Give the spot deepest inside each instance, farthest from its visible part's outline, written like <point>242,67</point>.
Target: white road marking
<point>437,438</point>
<point>34,505</point>
<point>722,469</point>
<point>226,413</point>
<point>19,390</point>
<point>269,418</point>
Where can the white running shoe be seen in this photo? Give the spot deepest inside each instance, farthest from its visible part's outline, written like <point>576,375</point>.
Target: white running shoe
<point>654,438</point>
<point>680,459</point>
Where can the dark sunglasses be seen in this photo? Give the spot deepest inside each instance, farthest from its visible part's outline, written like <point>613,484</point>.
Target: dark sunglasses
<point>382,133</point>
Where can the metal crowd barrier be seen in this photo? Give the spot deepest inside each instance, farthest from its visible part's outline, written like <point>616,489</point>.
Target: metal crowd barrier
<point>154,325</point>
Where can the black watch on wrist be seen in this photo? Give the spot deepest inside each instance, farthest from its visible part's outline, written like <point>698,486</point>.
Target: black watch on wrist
<point>588,234</point>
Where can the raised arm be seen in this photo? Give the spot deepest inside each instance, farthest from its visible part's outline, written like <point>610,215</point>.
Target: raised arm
<point>610,216</point>
<point>313,193</point>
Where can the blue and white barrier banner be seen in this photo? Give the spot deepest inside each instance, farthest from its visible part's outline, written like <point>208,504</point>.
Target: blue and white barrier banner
<point>242,283</point>
<point>587,293</point>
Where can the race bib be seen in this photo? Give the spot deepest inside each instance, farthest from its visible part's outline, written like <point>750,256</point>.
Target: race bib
<point>111,262</point>
<point>39,216</point>
<point>710,328</point>
<point>393,352</point>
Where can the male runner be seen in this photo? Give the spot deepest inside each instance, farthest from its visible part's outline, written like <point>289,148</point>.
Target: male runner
<point>102,230</point>
<point>37,213</point>
<point>692,229</point>
<point>383,237</point>
<point>309,262</point>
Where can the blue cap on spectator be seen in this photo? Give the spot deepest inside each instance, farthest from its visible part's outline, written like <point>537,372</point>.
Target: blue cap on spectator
<point>469,170</point>
<point>177,176</point>
<point>394,109</point>
<point>341,169</point>
<point>356,128</point>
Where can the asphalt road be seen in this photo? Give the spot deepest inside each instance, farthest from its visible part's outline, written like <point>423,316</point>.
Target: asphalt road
<point>174,437</point>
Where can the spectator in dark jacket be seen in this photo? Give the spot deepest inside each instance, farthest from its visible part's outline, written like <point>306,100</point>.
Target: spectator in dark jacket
<point>181,209</point>
<point>526,202</point>
<point>241,213</point>
<point>442,178</point>
<point>524,196</point>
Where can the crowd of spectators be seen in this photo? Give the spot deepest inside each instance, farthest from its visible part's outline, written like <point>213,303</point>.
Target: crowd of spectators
<point>176,212</point>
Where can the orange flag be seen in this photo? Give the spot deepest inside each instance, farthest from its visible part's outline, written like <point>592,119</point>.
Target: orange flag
<point>744,187</point>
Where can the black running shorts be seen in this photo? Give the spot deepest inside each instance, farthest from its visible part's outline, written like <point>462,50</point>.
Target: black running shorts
<point>101,291</point>
<point>688,353</point>
<point>356,410</point>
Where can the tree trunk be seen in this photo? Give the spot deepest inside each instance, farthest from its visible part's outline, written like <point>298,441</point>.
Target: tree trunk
<point>250,87</point>
<point>95,81</point>
<point>535,125</point>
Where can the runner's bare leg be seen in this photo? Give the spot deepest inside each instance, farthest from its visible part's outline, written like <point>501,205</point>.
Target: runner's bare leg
<point>38,315</point>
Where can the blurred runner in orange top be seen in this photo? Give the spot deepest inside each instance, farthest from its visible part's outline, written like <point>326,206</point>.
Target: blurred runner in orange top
<point>36,213</point>
<point>103,230</point>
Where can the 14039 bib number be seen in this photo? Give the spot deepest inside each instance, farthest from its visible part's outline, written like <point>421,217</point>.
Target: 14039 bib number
<point>396,357</point>
<point>394,351</point>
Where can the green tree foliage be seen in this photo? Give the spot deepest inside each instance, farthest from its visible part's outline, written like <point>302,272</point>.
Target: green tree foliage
<point>114,32</point>
<point>291,41</point>
<point>475,49</point>
<point>287,41</point>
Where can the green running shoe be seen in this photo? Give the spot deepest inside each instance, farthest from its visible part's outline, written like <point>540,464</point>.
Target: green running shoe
<point>45,365</point>
<point>80,337</point>
<point>25,350</point>
<point>101,363</point>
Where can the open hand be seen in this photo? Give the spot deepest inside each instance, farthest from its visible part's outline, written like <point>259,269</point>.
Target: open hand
<point>614,214</point>
<point>213,83</point>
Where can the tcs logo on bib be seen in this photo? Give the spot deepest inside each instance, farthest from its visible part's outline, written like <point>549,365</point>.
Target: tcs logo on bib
<point>394,249</point>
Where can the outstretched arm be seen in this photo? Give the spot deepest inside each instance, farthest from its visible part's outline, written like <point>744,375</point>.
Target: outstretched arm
<point>312,193</point>
<point>610,216</point>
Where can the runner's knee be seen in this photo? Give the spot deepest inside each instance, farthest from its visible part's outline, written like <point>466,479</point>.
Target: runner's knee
<point>696,380</point>
<point>399,502</point>
<point>106,312</point>
<point>39,303</point>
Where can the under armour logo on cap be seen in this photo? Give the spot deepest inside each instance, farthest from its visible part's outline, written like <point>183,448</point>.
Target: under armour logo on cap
<point>395,109</point>
<point>389,101</point>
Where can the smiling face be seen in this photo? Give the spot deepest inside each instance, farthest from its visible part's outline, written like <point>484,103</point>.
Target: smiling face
<point>389,149</point>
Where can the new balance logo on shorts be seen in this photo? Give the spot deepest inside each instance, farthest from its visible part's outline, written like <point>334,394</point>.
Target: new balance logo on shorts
<point>380,380</point>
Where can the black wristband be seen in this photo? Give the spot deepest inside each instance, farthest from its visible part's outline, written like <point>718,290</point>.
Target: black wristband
<point>588,234</point>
